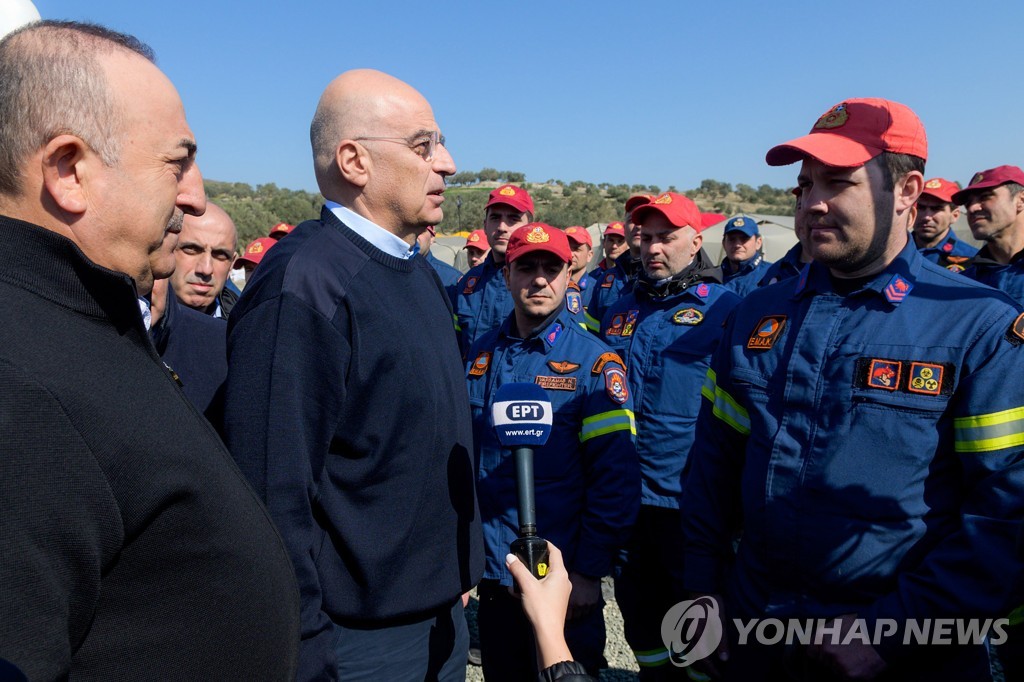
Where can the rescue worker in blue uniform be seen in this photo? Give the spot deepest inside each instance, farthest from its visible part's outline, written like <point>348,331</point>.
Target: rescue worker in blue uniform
<point>994,201</point>
<point>872,456</point>
<point>582,249</point>
<point>616,278</point>
<point>587,475</point>
<point>482,301</point>
<point>933,232</point>
<point>448,275</point>
<point>666,329</point>
<point>790,264</point>
<point>744,264</point>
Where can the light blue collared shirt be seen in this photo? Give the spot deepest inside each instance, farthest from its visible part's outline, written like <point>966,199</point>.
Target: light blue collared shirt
<point>371,232</point>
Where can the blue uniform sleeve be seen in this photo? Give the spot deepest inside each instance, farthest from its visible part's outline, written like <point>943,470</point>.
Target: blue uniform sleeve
<point>283,400</point>
<point>710,502</point>
<point>978,570</point>
<point>611,471</point>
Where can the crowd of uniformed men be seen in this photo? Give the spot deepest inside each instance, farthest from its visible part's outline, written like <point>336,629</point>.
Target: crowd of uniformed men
<point>836,435</point>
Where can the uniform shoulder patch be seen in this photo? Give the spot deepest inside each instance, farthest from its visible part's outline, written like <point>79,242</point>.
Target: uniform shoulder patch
<point>604,360</point>
<point>615,384</point>
<point>556,383</point>
<point>470,285</point>
<point>573,302</point>
<point>563,367</point>
<point>767,332</point>
<point>480,365</point>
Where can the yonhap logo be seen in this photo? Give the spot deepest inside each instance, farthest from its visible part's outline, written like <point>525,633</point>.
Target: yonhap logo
<point>692,630</point>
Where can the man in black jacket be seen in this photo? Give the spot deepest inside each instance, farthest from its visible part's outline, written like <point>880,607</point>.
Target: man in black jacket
<point>133,548</point>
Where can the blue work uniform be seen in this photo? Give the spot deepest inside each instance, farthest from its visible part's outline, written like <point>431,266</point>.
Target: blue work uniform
<point>1008,278</point>
<point>951,253</point>
<point>448,275</point>
<point>587,477</point>
<point>666,340</point>
<point>788,266</point>
<point>481,302</point>
<point>744,277</point>
<point>870,445</point>
<point>611,284</point>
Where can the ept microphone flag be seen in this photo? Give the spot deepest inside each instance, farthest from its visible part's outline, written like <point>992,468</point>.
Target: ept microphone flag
<point>521,415</point>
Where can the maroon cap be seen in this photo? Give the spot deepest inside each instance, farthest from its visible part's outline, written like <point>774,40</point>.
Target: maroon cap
<point>941,188</point>
<point>637,200</point>
<point>993,177</point>
<point>280,230</point>
<point>580,235</point>
<point>516,197</point>
<point>855,131</point>
<point>677,208</point>
<point>256,250</point>
<point>538,237</point>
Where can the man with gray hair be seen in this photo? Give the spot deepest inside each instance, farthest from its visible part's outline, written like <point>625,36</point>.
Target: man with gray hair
<point>132,546</point>
<point>356,429</point>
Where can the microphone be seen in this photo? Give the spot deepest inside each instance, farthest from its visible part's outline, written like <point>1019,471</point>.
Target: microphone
<point>522,420</point>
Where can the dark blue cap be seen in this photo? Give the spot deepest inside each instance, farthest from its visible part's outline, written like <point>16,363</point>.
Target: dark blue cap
<point>744,224</point>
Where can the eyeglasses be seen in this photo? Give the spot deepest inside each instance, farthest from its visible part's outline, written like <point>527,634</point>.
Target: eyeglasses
<point>423,144</point>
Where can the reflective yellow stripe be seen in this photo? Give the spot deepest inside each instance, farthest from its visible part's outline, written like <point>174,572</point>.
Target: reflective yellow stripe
<point>725,406</point>
<point>608,422</point>
<point>591,323</point>
<point>988,432</point>
<point>652,658</point>
<point>455,318</point>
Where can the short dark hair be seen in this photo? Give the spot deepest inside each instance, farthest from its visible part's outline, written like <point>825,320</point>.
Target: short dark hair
<point>51,84</point>
<point>895,166</point>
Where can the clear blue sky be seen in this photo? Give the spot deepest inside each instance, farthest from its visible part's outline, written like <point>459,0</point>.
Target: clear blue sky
<point>664,93</point>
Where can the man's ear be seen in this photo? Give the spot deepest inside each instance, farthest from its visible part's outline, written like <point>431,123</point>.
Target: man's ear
<point>698,239</point>
<point>908,189</point>
<point>353,162</point>
<point>67,169</point>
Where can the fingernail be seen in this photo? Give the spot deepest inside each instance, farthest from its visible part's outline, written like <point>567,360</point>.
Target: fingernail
<point>509,558</point>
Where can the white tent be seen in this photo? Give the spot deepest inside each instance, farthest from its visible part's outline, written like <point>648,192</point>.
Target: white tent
<point>776,230</point>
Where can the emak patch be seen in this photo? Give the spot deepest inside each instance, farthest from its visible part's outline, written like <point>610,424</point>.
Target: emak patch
<point>556,383</point>
<point>563,367</point>
<point>630,325</point>
<point>480,365</point>
<point>767,332</point>
<point>604,360</point>
<point>690,317</point>
<point>925,378</point>
<point>884,374</point>
<point>615,384</point>
<point>470,285</point>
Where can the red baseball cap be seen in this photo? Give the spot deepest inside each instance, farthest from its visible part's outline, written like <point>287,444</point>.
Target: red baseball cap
<point>637,200</point>
<point>516,197</point>
<point>538,237</point>
<point>855,131</point>
<point>677,208</point>
<point>941,188</point>
<point>615,228</point>
<point>477,239</point>
<point>256,250</point>
<point>993,177</point>
<point>578,234</point>
<point>280,230</point>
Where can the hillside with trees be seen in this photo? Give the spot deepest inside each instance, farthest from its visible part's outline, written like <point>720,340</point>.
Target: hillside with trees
<point>256,209</point>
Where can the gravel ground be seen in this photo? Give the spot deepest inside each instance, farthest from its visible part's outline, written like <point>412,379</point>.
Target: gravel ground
<point>622,666</point>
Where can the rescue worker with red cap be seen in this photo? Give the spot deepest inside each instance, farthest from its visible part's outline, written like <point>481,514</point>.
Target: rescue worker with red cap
<point>665,328</point>
<point>933,231</point>
<point>614,279</point>
<point>476,248</point>
<point>587,475</point>
<point>482,301</point>
<point>994,201</point>
<point>871,457</point>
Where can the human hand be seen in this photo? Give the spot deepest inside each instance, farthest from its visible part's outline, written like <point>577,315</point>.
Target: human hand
<point>545,602</point>
<point>853,660</point>
<point>585,597</point>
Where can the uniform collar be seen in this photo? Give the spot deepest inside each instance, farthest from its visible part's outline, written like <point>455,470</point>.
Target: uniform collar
<point>548,334</point>
<point>893,284</point>
<point>743,267</point>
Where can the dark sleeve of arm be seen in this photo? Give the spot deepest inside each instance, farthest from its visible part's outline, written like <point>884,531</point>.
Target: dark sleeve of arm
<point>612,473</point>
<point>566,671</point>
<point>60,526</point>
<point>283,403</point>
<point>709,503</point>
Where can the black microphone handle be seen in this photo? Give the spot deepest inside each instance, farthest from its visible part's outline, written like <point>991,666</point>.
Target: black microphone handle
<point>524,491</point>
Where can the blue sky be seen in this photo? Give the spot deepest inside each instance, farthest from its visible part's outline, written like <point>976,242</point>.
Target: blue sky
<point>664,93</point>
